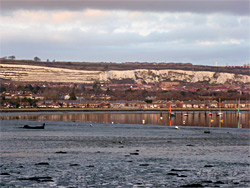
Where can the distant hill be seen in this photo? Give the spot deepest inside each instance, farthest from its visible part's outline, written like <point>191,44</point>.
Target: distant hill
<point>104,66</point>
<point>76,72</point>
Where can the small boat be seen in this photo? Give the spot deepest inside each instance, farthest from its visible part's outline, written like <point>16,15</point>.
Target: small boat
<point>238,111</point>
<point>219,114</point>
<point>36,127</point>
<point>172,114</point>
<point>161,117</point>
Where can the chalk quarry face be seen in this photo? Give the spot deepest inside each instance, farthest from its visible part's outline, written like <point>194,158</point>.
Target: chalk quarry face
<point>50,74</point>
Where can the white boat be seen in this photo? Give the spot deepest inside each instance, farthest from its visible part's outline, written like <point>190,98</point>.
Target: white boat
<point>219,114</point>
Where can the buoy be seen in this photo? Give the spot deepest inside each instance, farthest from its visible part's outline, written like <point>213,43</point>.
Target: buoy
<point>112,122</point>
<point>176,127</point>
<point>143,121</point>
<point>212,121</point>
<point>184,122</point>
<point>90,125</point>
<point>161,117</point>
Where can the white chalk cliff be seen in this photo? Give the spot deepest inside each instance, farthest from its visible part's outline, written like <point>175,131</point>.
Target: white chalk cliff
<point>50,74</point>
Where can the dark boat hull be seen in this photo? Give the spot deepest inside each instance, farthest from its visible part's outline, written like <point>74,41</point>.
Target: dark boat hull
<point>31,127</point>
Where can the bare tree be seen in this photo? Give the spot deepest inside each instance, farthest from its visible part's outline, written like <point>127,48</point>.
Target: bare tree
<point>12,57</point>
<point>37,59</point>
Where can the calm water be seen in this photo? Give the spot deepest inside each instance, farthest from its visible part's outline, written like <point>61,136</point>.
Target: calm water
<point>201,119</point>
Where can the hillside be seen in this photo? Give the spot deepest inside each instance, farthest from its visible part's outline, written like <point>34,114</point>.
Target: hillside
<point>103,66</point>
<point>30,71</point>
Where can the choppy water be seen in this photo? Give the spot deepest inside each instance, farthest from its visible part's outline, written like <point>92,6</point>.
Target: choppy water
<point>75,154</point>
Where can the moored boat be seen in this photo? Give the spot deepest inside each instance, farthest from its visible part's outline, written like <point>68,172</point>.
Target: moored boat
<point>34,127</point>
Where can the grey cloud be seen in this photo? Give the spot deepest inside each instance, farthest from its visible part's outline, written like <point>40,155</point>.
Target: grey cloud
<point>239,7</point>
<point>177,45</point>
<point>89,49</point>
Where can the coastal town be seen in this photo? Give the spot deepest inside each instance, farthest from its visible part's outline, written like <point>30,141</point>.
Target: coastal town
<point>44,84</point>
<point>122,96</point>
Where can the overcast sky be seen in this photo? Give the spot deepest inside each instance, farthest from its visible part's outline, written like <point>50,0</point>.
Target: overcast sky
<point>195,31</point>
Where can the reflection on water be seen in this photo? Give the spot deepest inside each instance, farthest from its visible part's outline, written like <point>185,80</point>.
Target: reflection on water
<point>202,119</point>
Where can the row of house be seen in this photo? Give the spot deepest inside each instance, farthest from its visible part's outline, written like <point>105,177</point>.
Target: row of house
<point>130,104</point>
<point>20,95</point>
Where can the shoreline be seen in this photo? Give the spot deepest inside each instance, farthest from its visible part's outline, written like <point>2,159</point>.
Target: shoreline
<point>114,109</point>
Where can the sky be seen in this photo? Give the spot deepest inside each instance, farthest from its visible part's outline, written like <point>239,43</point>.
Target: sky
<point>200,32</point>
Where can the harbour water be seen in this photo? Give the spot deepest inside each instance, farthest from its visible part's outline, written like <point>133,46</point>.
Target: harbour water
<point>228,119</point>
<point>97,150</point>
